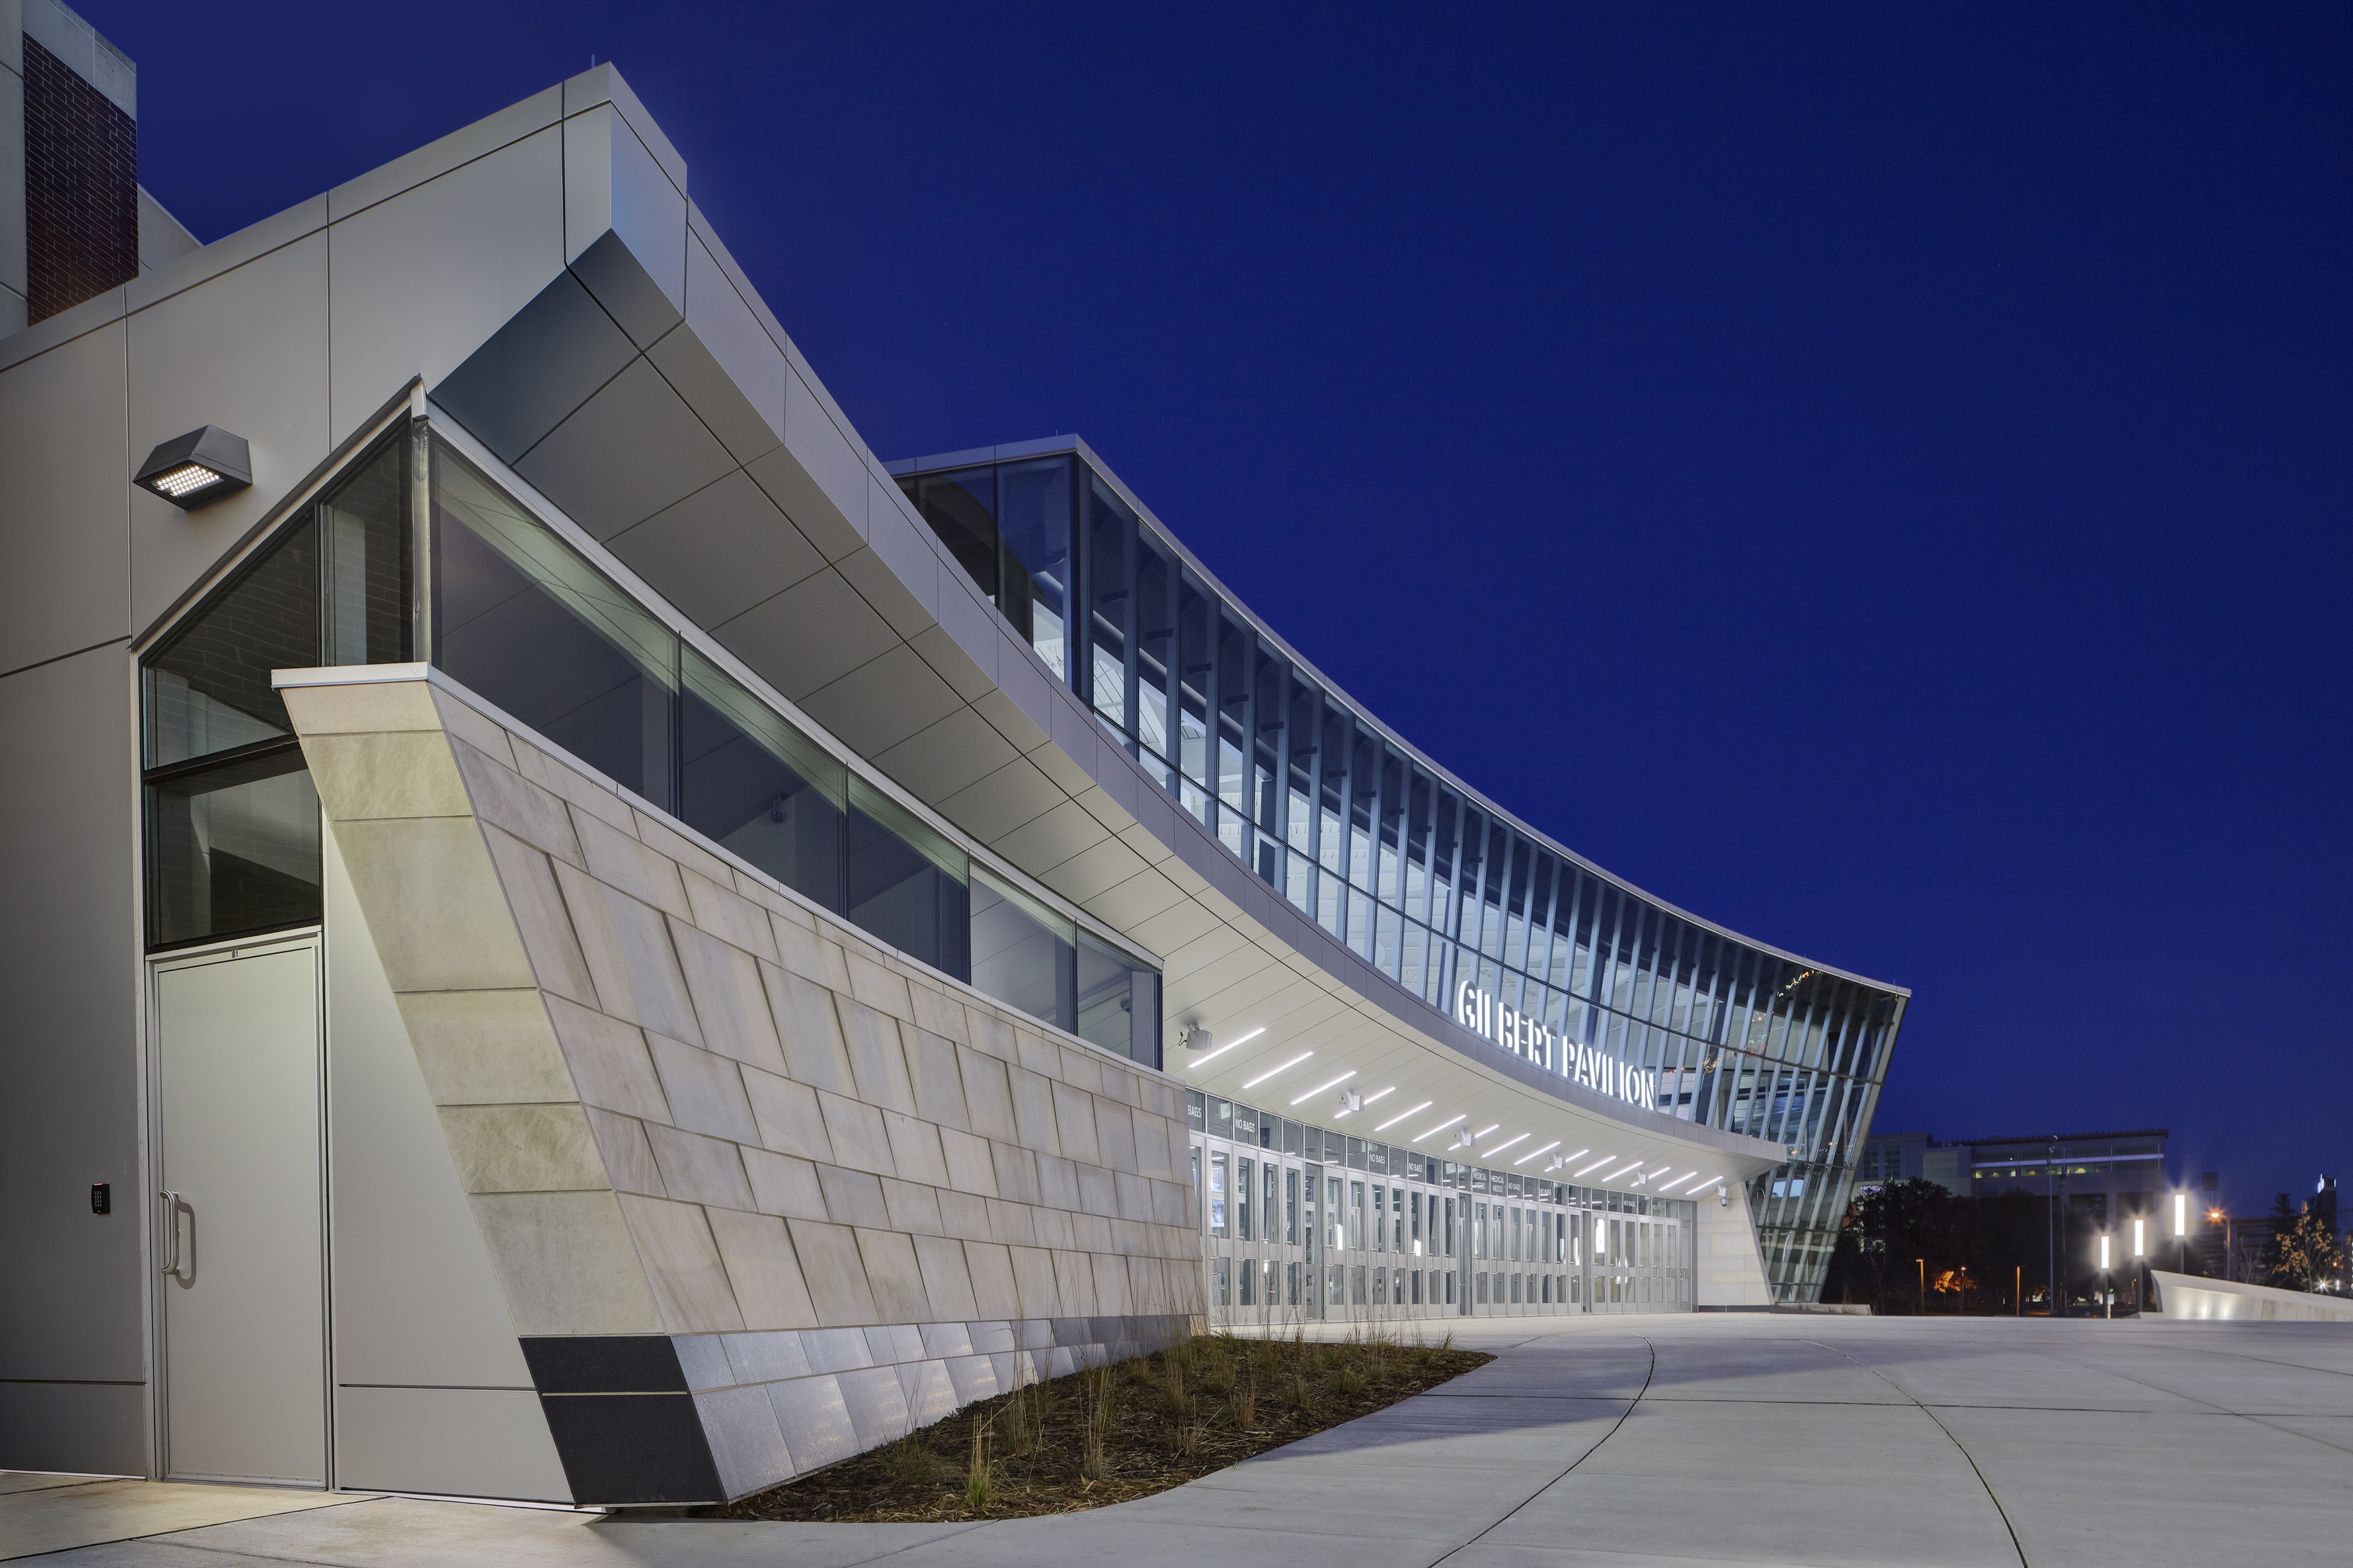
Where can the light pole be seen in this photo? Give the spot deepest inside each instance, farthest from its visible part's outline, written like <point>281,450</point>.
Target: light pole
<point>2107,1297</point>
<point>2051,1295</point>
<point>2139,1267</point>
<point>1924,1284</point>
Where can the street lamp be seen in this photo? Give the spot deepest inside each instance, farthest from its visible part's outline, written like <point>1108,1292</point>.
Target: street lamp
<point>2139,1252</point>
<point>1924,1284</point>
<point>2182,1232</point>
<point>2107,1297</point>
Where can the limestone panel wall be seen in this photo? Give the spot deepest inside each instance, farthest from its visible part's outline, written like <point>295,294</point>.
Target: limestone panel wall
<point>760,1193</point>
<point>2187,1296</point>
<point>1730,1272</point>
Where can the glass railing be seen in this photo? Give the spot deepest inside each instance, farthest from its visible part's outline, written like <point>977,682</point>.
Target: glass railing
<point>521,616</point>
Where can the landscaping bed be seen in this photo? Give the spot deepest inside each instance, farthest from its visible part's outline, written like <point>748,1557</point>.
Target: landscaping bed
<point>1109,1433</point>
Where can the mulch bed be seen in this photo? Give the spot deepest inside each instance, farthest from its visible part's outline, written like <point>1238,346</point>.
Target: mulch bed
<point>1116,1433</point>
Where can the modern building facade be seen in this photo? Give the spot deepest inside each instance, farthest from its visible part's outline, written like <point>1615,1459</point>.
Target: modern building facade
<point>2101,1178</point>
<point>581,937</point>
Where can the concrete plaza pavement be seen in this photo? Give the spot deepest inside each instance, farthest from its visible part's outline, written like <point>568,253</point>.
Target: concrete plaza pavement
<point>1649,1441</point>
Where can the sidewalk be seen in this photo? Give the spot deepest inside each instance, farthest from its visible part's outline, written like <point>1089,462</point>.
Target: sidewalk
<point>1650,1441</point>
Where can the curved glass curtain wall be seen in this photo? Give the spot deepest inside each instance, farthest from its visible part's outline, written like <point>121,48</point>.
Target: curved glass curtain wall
<point>520,616</point>
<point>1421,878</point>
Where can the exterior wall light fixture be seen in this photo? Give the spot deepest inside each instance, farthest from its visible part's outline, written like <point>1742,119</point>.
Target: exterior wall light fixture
<point>199,467</point>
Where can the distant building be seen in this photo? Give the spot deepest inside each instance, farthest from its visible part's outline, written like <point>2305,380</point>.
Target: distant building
<point>1891,1157</point>
<point>2106,1178</point>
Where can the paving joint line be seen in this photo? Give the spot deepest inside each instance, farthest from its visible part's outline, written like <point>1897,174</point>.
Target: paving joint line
<point>1492,1525</point>
<point>1992,1496</point>
<point>158,1535</point>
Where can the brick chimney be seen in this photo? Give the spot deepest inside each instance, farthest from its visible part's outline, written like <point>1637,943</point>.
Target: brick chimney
<point>73,220</point>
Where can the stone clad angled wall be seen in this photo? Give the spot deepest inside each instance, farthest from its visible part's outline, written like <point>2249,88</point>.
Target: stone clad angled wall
<point>760,1193</point>
<point>1730,1276</point>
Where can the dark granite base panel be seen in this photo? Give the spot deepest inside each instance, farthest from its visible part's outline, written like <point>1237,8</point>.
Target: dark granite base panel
<point>655,1418</point>
<point>624,1424</point>
<point>632,1447</point>
<point>604,1363</point>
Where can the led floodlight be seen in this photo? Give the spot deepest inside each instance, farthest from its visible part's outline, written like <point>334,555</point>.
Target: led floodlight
<point>199,467</point>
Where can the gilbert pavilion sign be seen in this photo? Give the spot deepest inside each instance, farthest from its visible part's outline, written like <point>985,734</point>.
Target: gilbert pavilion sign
<point>1526,1036</point>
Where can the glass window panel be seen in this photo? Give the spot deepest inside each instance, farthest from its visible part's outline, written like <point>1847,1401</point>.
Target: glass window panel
<point>1331,840</point>
<point>1364,794</point>
<point>207,689</point>
<point>1417,846</point>
<point>1413,955</point>
<point>1196,616</point>
<point>521,618</point>
<point>1021,952</point>
<point>1388,884</point>
<point>1034,520</point>
<point>906,883</point>
<point>1155,641</point>
<point>364,538</point>
<point>232,849</point>
<point>961,507</point>
<point>1111,546</point>
<point>1299,733</point>
<point>1235,658</point>
<point>1107,997</point>
<point>1471,848</point>
<point>1388,939</point>
<point>753,784</point>
<point>1269,706</point>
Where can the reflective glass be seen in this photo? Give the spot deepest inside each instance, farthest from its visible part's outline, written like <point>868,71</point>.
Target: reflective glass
<point>906,883</point>
<point>1110,550</point>
<point>232,849</point>
<point>1196,613</point>
<point>1155,641</point>
<point>756,786</point>
<point>364,543</point>
<point>1355,833</point>
<point>1106,997</point>
<point>207,689</point>
<point>520,617</point>
<point>1034,520</point>
<point>1021,953</point>
<point>961,507</point>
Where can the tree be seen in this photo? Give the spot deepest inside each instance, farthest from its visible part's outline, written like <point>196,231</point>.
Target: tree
<point>1903,1228</point>
<point>2307,1254</point>
<point>2270,1266</point>
<point>1982,1250</point>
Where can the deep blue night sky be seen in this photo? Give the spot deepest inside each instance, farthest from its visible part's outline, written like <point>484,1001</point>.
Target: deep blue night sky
<point>1877,477</point>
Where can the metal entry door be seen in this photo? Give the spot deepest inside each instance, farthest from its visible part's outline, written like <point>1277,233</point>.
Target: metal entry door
<point>240,1248</point>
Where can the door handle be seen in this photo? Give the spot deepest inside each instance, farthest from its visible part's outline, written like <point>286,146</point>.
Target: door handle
<point>172,1232</point>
